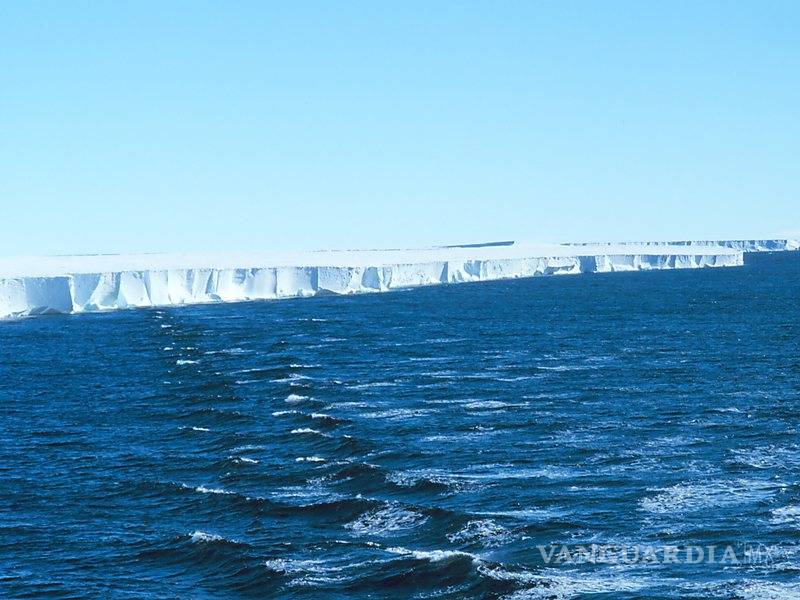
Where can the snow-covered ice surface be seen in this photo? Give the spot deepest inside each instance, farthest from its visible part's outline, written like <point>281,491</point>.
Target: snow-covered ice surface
<point>67,284</point>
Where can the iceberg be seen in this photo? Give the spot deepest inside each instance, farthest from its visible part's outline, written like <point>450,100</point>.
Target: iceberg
<point>76,284</point>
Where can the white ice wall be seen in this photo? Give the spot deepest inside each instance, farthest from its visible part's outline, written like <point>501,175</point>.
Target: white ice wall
<point>81,292</point>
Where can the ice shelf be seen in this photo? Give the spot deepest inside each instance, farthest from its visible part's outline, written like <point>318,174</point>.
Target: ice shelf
<point>73,284</point>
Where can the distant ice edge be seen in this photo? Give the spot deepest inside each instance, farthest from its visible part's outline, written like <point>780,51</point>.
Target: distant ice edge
<point>755,245</point>
<point>87,292</point>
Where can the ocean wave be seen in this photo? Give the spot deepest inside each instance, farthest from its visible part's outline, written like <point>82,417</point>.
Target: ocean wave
<point>694,496</point>
<point>562,368</point>
<point>248,447</point>
<point>375,384</point>
<point>314,572</point>
<point>552,585</point>
<point>201,536</point>
<point>309,496</point>
<point>386,520</point>
<point>288,566</point>
<point>484,532</point>
<point>728,409</point>
<point>365,474</point>
<point>231,351</point>
<point>344,405</point>
<point>766,457</point>
<point>398,413</point>
<point>431,480</point>
<point>433,555</point>
<point>533,515</point>
<point>207,490</point>
<point>292,379</point>
<point>429,359</point>
<point>492,404</point>
<point>244,460</point>
<point>218,492</point>
<point>305,430</point>
<point>309,572</point>
<point>294,398</point>
<point>283,413</point>
<point>786,515</point>
<point>752,589</point>
<point>308,431</point>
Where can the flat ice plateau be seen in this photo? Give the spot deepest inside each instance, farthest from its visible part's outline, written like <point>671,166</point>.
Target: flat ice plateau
<point>74,284</point>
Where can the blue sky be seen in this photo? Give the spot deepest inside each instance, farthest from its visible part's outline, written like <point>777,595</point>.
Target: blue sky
<point>164,126</point>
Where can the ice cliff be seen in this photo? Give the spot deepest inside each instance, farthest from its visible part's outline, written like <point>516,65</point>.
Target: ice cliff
<point>72,284</point>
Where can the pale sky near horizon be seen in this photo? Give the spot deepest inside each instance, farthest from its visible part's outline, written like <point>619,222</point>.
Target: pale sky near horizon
<point>170,126</point>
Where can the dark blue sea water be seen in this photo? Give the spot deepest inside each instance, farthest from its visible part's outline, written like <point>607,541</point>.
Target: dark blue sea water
<point>418,444</point>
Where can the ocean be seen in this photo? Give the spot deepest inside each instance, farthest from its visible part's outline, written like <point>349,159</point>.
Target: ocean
<point>564,437</point>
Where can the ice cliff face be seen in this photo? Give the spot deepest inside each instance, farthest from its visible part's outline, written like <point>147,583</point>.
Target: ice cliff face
<point>96,283</point>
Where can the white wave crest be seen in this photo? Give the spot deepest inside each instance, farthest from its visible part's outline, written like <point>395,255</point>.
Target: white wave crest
<point>432,555</point>
<point>202,536</point>
<point>386,520</point>
<point>485,532</point>
<point>693,496</point>
<point>316,459</point>
<point>291,398</point>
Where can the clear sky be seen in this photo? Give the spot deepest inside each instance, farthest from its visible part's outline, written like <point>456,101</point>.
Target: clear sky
<point>164,126</point>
